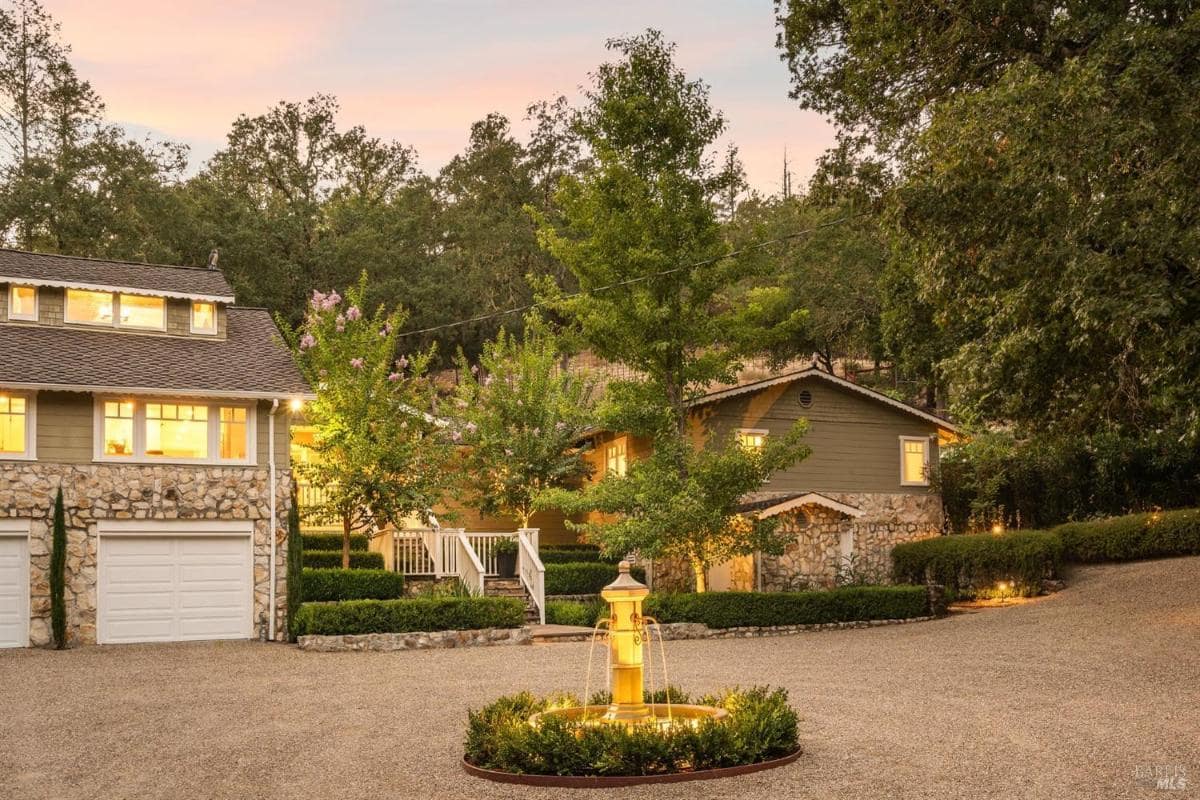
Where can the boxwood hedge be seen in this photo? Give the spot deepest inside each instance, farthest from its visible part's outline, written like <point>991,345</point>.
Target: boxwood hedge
<point>333,541</point>
<point>332,559</point>
<point>351,584</point>
<point>574,555</point>
<point>764,609</point>
<point>971,565</point>
<point>407,616</point>
<point>583,577</point>
<point>1156,535</point>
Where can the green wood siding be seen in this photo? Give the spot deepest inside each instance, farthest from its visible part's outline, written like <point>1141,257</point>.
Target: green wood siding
<point>855,440</point>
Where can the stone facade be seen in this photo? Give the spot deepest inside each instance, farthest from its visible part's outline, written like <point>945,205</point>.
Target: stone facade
<point>137,492</point>
<point>389,642</point>
<point>814,557</point>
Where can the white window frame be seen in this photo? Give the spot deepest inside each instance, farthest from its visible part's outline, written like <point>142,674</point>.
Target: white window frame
<point>621,446</point>
<point>139,431</point>
<point>116,311</point>
<point>763,432</point>
<point>924,441</point>
<point>12,287</point>
<point>192,318</point>
<point>30,453</point>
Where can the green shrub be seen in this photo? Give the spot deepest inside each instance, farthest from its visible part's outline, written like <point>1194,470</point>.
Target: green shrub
<point>351,584</point>
<point>295,564</point>
<point>583,577</point>
<point>406,616</point>
<point>58,565</point>
<point>567,612</point>
<point>333,541</point>
<point>1168,533</point>
<point>761,726</point>
<point>557,555</point>
<point>971,565</point>
<point>332,559</point>
<point>764,609</point>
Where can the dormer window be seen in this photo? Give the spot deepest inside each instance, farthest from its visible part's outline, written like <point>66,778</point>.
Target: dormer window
<point>115,310</point>
<point>204,318</point>
<point>89,308</point>
<point>139,311</point>
<point>22,303</point>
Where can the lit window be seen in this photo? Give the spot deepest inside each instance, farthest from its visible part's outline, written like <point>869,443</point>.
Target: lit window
<point>204,318</point>
<point>614,459</point>
<point>176,431</point>
<point>138,311</point>
<point>22,303</point>
<point>233,433</point>
<point>118,428</point>
<point>89,308</point>
<point>914,461</point>
<point>752,439</point>
<point>13,412</point>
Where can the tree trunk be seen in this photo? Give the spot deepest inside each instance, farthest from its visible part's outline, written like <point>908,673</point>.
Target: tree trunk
<point>701,580</point>
<point>346,541</point>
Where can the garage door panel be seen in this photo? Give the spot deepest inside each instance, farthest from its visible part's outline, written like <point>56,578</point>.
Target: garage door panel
<point>14,592</point>
<point>127,574</point>
<point>140,629</point>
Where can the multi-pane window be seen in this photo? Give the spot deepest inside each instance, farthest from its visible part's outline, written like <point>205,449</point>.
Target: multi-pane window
<point>89,308</point>
<point>204,317</point>
<point>13,411</point>
<point>139,311</point>
<point>118,428</point>
<point>22,303</point>
<point>106,308</point>
<point>176,431</point>
<point>752,439</point>
<point>615,459</point>
<point>233,433</point>
<point>914,461</point>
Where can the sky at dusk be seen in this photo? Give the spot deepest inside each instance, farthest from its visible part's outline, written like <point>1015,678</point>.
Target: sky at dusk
<point>422,72</point>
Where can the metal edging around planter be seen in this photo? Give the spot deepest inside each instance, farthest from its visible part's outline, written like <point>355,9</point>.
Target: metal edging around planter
<point>616,781</point>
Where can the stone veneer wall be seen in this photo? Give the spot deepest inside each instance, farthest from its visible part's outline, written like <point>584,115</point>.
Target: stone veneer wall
<point>812,558</point>
<point>164,492</point>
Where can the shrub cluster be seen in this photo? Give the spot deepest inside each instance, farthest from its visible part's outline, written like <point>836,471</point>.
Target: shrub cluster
<point>333,541</point>
<point>407,616</point>
<point>561,554</point>
<point>760,609</point>
<point>332,559</point>
<point>351,584</point>
<point>583,577</point>
<point>1155,535</point>
<point>761,726</point>
<point>972,565</point>
<point>566,612</point>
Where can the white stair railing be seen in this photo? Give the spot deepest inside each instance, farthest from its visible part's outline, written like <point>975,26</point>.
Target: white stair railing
<point>470,568</point>
<point>531,570</point>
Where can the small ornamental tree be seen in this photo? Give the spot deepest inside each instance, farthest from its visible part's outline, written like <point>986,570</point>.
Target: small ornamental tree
<point>521,417</point>
<point>58,566</point>
<point>381,454</point>
<point>295,563</point>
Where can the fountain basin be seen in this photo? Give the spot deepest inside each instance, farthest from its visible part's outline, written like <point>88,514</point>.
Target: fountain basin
<point>661,715</point>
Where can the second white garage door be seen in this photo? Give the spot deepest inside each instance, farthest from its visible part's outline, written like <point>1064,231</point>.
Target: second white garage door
<point>170,588</point>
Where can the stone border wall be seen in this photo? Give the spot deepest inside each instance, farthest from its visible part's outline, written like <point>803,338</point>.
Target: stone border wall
<point>390,642</point>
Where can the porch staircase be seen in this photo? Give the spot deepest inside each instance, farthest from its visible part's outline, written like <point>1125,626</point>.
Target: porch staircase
<point>512,587</point>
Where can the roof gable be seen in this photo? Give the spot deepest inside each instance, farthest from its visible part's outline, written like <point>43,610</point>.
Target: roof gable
<point>73,272</point>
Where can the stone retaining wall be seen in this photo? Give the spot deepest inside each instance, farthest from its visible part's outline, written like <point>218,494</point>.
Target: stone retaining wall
<point>95,492</point>
<point>388,642</point>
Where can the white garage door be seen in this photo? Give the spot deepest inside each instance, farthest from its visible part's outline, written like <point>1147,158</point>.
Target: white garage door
<point>170,588</point>
<point>14,588</point>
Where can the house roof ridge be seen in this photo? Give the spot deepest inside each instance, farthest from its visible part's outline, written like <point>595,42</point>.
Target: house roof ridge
<point>98,260</point>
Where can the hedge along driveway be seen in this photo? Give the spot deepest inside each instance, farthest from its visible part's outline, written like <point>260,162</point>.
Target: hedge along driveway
<point>409,616</point>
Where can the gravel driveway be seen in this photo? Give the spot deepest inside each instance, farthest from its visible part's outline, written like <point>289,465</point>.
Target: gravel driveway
<point>1063,697</point>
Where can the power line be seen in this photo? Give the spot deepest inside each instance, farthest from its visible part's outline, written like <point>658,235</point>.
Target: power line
<point>731,254</point>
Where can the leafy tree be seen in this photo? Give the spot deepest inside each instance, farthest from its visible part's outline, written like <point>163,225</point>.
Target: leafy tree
<point>382,456</point>
<point>639,232</point>
<point>58,567</point>
<point>522,417</point>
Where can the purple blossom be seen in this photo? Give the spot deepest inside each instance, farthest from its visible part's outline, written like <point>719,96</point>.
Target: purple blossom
<point>340,323</point>
<point>357,363</point>
<point>386,330</point>
<point>487,381</point>
<point>456,436</point>
<point>307,341</point>
<point>393,377</point>
<point>352,313</point>
<point>402,362</point>
<point>471,427</point>
<point>331,300</point>
<point>318,300</point>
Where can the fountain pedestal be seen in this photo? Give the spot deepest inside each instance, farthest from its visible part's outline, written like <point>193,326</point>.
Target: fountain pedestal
<point>625,640</point>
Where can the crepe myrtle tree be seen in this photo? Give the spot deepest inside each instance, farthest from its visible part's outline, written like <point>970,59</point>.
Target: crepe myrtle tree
<point>381,454</point>
<point>521,417</point>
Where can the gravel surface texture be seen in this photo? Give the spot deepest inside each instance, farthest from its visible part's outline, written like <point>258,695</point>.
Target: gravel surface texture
<point>1067,696</point>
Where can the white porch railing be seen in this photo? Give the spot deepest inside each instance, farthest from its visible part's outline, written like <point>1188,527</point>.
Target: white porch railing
<point>470,568</point>
<point>529,567</point>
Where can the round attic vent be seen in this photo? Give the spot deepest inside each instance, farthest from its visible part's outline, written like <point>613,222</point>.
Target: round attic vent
<point>806,399</point>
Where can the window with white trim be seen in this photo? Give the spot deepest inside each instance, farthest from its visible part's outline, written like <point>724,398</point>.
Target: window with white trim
<point>204,317</point>
<point>87,307</point>
<point>752,438</point>
<point>914,461</point>
<point>183,431</point>
<point>23,303</point>
<point>615,459</point>
<point>16,426</point>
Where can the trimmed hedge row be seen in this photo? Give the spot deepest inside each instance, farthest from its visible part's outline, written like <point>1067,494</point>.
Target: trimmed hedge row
<point>971,565</point>
<point>332,559</point>
<point>408,616</point>
<point>333,541</point>
<point>351,584</point>
<point>763,609</point>
<point>1167,533</point>
<point>574,555</point>
<point>583,577</point>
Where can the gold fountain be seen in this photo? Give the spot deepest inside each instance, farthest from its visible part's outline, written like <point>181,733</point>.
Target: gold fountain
<point>628,639</point>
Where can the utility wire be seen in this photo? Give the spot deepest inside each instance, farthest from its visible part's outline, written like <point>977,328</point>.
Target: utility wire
<point>731,254</point>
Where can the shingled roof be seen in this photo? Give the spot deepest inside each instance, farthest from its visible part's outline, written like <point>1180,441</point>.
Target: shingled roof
<point>251,361</point>
<point>44,269</point>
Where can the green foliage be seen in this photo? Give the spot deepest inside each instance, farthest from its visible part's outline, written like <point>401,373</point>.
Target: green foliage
<point>333,541</point>
<point>974,564</point>
<point>296,545</point>
<point>744,609</point>
<point>1042,481</point>
<point>332,559</point>
<point>1153,535</point>
<point>58,568</point>
<point>583,577</point>
<point>521,417</point>
<point>406,616</point>
<point>575,555</point>
<point>351,584</point>
<point>505,547</point>
<point>451,587</point>
<point>761,726</point>
<point>569,612</point>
